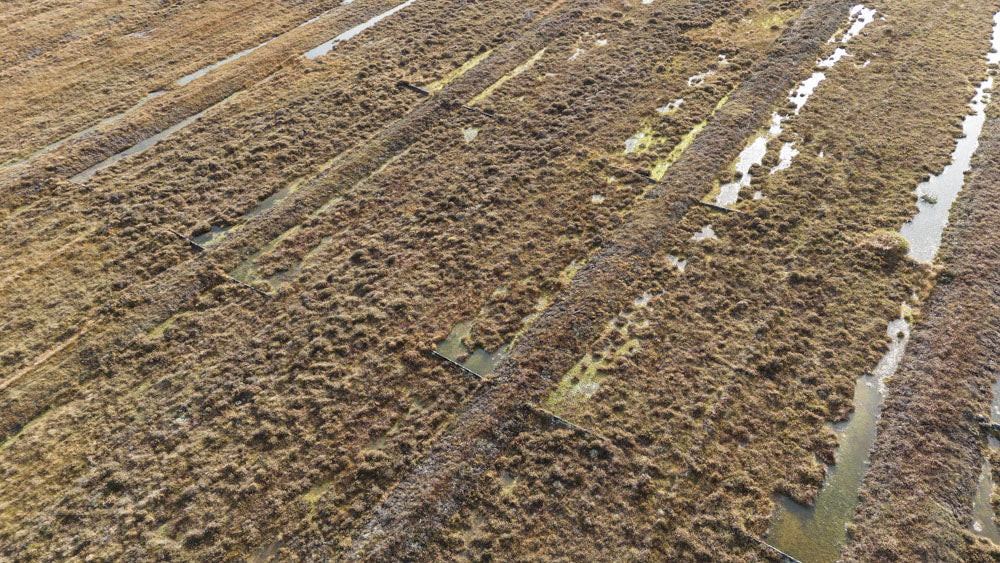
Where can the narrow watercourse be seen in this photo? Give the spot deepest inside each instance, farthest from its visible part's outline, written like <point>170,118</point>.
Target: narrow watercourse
<point>172,291</point>
<point>183,81</point>
<point>181,102</point>
<point>314,53</point>
<point>919,497</point>
<point>753,155</point>
<point>597,288</point>
<point>817,533</point>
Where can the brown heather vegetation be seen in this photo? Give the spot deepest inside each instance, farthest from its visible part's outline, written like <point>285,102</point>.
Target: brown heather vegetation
<point>930,446</point>
<point>153,408</point>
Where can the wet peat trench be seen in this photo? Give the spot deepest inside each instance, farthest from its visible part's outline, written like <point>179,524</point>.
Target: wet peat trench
<point>106,121</point>
<point>482,363</point>
<point>153,139</point>
<point>384,150</point>
<point>816,534</point>
<point>479,363</point>
<point>379,533</point>
<point>311,54</point>
<point>753,155</point>
<point>930,229</point>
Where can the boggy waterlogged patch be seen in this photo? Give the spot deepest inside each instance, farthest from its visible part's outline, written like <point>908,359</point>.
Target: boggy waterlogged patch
<point>815,534</point>
<point>479,361</point>
<point>753,155</point>
<point>584,379</point>
<point>936,195</point>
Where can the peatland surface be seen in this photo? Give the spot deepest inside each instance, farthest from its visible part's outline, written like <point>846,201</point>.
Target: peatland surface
<point>228,261</point>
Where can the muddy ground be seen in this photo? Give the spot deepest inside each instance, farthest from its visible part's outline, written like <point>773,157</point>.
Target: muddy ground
<point>271,393</point>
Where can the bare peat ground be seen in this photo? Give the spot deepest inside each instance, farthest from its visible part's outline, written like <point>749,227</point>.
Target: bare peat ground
<point>275,397</point>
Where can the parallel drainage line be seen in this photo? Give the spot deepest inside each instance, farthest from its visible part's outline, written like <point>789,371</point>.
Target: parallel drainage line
<point>556,419</point>
<point>415,88</point>
<point>718,207</point>
<point>632,172</point>
<point>263,294</point>
<point>193,244</point>
<point>645,177</point>
<point>226,276</point>
<point>785,558</point>
<point>458,365</point>
<point>492,116</point>
<point>535,409</point>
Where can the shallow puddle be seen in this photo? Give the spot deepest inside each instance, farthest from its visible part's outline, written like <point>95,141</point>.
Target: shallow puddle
<point>983,517</point>
<point>752,155</point>
<point>833,59</point>
<point>281,278</point>
<point>728,194</point>
<point>583,380</point>
<point>815,534</point>
<point>580,383</point>
<point>212,237</point>
<point>507,481</point>
<point>273,200</point>
<point>639,142</point>
<point>706,233</point>
<point>187,79</point>
<point>860,18</point>
<point>806,89</point>
<point>785,156</point>
<point>670,108</point>
<point>676,262</point>
<point>324,48</point>
<point>247,272</point>
<point>141,34</point>
<point>479,362</point>
<point>937,195</point>
<point>699,79</point>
